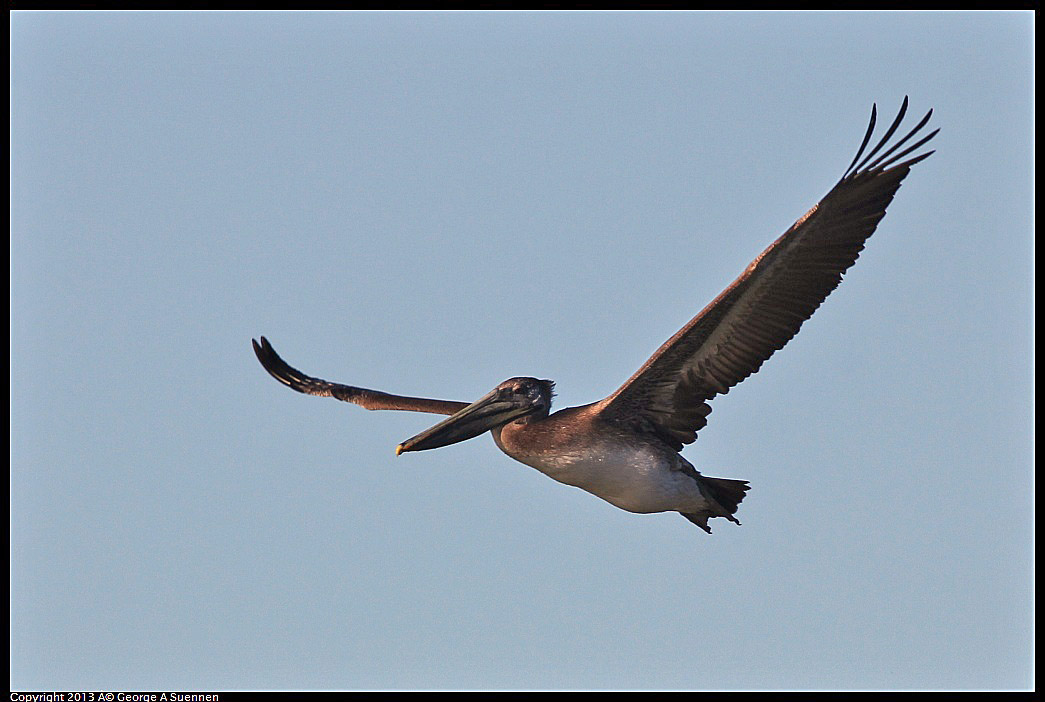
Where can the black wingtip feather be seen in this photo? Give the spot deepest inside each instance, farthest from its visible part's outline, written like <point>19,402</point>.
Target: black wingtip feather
<point>277,367</point>
<point>888,133</point>
<point>867,138</point>
<point>906,151</point>
<point>881,161</point>
<point>874,161</point>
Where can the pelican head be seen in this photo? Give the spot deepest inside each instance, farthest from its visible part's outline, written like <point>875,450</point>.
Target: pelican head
<point>513,399</point>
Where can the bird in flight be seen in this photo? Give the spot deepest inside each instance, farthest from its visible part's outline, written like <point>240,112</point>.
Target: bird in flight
<point>625,448</point>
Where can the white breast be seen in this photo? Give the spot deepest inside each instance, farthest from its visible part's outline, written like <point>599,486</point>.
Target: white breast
<point>636,478</point>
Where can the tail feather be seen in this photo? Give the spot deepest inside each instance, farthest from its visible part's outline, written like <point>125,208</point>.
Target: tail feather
<point>725,494</point>
<point>728,493</point>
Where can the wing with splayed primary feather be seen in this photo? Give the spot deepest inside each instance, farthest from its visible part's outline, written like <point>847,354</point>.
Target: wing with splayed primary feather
<point>765,307</point>
<point>370,399</point>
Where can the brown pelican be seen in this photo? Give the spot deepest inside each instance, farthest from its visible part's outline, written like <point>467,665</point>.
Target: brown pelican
<point>625,448</point>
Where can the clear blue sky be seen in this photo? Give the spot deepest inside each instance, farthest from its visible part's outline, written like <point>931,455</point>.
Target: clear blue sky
<point>430,203</point>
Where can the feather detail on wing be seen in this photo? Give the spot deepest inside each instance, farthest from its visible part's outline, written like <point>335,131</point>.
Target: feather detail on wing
<point>370,399</point>
<point>765,307</point>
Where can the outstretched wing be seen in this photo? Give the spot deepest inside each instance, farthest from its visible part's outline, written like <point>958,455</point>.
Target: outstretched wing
<point>765,307</point>
<point>370,399</point>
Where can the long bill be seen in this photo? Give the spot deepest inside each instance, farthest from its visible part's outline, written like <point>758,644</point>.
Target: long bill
<point>489,412</point>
